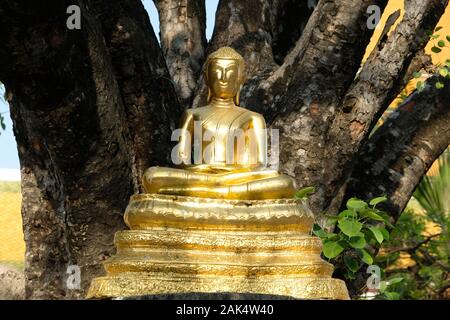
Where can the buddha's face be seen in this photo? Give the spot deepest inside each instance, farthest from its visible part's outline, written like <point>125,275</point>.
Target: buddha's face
<point>223,78</point>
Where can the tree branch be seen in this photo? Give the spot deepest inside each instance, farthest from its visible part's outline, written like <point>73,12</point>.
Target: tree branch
<point>147,92</point>
<point>183,40</point>
<point>305,91</point>
<point>402,150</point>
<point>291,17</point>
<point>72,105</point>
<point>375,88</point>
<point>415,247</point>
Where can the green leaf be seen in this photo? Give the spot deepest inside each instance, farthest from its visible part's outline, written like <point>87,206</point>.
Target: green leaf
<point>377,234</point>
<point>416,75</point>
<point>395,280</point>
<point>441,43</point>
<point>420,85</point>
<point>357,242</point>
<point>304,192</point>
<point>351,263</point>
<point>386,218</point>
<point>378,200</point>
<point>349,227</point>
<point>346,213</point>
<point>436,49</point>
<point>448,38</point>
<point>365,256</point>
<point>317,230</point>
<point>356,204</point>
<point>443,72</point>
<point>372,215</point>
<point>332,249</point>
<point>435,36</point>
<point>438,28</point>
<point>392,295</point>
<point>385,233</point>
<point>331,236</point>
<point>439,85</point>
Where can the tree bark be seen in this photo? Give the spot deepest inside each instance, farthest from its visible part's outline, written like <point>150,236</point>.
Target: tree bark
<point>145,85</point>
<point>313,79</point>
<point>183,41</point>
<point>77,156</point>
<point>402,150</point>
<point>375,88</point>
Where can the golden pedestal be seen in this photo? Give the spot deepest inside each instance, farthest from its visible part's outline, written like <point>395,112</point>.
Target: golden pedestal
<point>184,245</point>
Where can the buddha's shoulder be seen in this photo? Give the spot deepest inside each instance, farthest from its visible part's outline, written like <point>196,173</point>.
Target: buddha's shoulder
<point>208,109</point>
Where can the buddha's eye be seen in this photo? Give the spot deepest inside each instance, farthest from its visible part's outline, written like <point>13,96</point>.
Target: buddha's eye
<point>230,73</point>
<point>219,74</point>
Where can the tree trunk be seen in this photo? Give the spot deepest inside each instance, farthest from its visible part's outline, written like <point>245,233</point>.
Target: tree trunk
<point>82,141</point>
<point>93,108</point>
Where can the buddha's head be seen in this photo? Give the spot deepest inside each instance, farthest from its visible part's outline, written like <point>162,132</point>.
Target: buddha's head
<point>224,72</point>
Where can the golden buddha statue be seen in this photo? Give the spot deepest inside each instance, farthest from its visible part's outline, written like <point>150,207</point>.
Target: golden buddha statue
<point>221,222</point>
<point>226,172</point>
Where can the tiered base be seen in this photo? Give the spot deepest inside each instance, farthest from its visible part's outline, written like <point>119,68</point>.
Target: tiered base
<point>192,245</point>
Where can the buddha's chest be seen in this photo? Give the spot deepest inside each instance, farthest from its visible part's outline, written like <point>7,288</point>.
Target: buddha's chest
<point>223,122</point>
<point>225,137</point>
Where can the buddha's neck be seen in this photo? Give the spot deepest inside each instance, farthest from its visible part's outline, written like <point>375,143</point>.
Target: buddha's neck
<point>222,103</point>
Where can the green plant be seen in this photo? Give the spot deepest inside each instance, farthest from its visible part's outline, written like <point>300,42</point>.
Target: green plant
<point>303,193</point>
<point>443,70</point>
<point>427,273</point>
<point>433,193</point>
<point>359,229</point>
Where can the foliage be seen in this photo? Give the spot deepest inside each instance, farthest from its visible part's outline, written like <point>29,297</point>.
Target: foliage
<point>304,192</point>
<point>359,230</point>
<point>443,70</point>
<point>416,258</point>
<point>424,272</point>
<point>433,193</point>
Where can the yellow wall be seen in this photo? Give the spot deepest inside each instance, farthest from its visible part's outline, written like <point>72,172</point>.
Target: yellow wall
<point>12,245</point>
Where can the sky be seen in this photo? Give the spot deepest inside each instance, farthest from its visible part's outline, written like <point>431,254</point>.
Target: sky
<point>9,162</point>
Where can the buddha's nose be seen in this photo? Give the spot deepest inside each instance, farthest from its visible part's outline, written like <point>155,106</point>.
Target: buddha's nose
<point>223,77</point>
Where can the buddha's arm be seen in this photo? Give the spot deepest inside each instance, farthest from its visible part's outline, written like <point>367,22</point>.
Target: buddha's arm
<point>156,179</point>
<point>270,188</point>
<point>187,127</point>
<point>258,125</point>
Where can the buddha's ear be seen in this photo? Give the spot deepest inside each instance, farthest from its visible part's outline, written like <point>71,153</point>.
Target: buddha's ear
<point>208,99</point>
<point>237,96</point>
